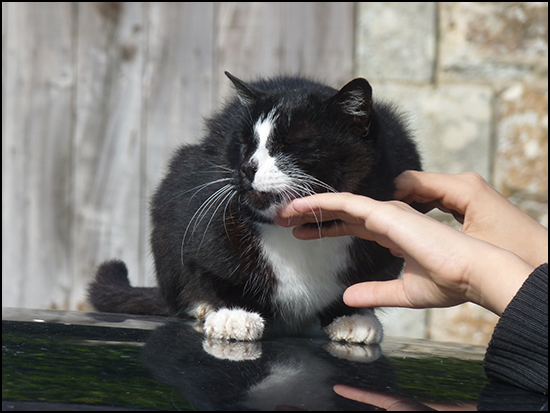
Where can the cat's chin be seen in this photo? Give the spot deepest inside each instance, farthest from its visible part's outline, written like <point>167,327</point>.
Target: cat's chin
<point>262,200</point>
<point>268,215</point>
<point>266,205</point>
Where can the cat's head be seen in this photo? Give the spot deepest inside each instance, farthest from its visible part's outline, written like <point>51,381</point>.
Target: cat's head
<point>297,138</point>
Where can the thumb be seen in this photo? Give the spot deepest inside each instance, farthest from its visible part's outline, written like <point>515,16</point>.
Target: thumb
<point>377,294</point>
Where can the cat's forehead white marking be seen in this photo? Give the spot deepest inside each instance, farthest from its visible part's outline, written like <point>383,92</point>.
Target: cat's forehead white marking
<point>264,126</point>
<point>268,177</point>
<point>262,132</point>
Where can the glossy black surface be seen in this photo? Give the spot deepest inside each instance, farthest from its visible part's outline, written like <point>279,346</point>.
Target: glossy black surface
<point>54,360</point>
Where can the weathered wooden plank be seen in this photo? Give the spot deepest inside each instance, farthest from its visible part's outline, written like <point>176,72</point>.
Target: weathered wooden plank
<point>249,41</point>
<point>319,40</point>
<point>265,39</point>
<point>96,96</point>
<point>109,205</point>
<point>178,86</point>
<point>36,154</point>
<point>13,223</point>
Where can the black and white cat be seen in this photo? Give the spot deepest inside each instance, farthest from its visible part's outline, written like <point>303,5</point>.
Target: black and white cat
<point>219,255</point>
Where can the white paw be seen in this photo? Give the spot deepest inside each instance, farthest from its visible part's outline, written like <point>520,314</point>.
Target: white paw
<point>235,324</point>
<point>356,328</point>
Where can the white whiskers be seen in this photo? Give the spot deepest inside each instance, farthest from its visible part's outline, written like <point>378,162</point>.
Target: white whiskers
<point>300,184</point>
<point>223,194</point>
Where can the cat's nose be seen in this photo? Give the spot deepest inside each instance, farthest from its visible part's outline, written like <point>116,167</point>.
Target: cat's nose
<point>249,170</point>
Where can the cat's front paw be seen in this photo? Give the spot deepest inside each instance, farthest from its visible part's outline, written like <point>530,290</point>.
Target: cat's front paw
<point>234,324</point>
<point>356,328</point>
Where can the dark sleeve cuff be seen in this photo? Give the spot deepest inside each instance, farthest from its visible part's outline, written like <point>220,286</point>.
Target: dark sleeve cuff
<point>518,350</point>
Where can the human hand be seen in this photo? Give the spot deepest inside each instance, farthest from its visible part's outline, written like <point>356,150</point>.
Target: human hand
<point>483,211</point>
<point>444,267</point>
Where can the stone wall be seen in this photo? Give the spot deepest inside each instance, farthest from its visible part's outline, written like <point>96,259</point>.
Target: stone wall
<point>473,79</point>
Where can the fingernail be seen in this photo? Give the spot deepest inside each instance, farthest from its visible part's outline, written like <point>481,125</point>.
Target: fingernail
<point>396,253</point>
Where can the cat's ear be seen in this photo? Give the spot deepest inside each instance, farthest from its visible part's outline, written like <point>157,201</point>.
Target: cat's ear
<point>246,94</point>
<point>355,99</point>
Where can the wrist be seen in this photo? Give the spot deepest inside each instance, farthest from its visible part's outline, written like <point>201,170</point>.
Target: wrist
<point>496,278</point>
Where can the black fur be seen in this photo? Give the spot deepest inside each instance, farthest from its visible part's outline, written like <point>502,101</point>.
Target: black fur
<point>111,292</point>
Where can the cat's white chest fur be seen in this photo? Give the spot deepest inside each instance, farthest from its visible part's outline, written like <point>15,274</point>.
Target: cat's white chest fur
<point>306,271</point>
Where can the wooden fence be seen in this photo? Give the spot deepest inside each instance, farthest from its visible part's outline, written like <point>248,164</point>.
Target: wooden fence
<point>95,96</point>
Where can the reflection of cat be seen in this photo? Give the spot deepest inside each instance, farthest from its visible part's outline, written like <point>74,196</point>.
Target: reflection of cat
<point>224,375</point>
<point>220,257</point>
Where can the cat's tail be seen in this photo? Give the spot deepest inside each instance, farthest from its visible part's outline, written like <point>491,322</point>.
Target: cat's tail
<point>111,292</point>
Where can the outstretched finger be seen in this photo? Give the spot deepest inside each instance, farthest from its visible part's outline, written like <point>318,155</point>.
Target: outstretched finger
<point>328,207</point>
<point>377,294</point>
<point>335,228</point>
<point>289,217</point>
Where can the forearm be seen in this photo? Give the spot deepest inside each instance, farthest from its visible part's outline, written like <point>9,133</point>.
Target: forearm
<point>495,276</point>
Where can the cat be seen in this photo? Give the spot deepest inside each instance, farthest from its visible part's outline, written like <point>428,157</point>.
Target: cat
<point>219,255</point>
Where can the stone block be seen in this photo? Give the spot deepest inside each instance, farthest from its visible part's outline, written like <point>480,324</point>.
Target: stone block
<point>521,158</point>
<point>466,323</point>
<point>451,123</point>
<point>403,322</point>
<point>396,41</point>
<point>521,161</point>
<point>493,40</point>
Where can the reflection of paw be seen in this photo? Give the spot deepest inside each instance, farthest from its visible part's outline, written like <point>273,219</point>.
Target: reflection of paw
<point>354,352</point>
<point>236,324</point>
<point>356,328</point>
<point>232,350</point>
